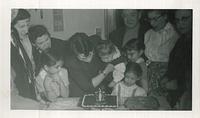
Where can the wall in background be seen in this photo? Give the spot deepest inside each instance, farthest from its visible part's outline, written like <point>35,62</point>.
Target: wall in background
<point>75,20</point>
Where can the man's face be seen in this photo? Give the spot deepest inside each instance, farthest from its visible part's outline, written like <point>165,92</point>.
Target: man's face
<point>43,42</point>
<point>131,18</point>
<point>157,20</point>
<point>183,20</point>
<point>22,27</point>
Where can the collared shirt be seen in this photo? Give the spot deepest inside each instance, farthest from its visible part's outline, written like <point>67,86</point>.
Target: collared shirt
<point>158,45</point>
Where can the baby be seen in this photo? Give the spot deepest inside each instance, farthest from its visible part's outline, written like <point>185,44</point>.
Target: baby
<point>108,52</point>
<point>52,81</point>
<point>128,87</point>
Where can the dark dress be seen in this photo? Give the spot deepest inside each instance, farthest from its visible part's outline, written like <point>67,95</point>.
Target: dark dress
<point>180,67</point>
<point>24,80</point>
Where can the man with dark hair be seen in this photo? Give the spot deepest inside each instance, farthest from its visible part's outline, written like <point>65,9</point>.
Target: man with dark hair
<point>43,42</point>
<point>86,71</point>
<point>22,60</point>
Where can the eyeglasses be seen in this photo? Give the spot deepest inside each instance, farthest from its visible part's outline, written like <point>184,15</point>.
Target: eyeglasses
<point>154,19</point>
<point>182,19</point>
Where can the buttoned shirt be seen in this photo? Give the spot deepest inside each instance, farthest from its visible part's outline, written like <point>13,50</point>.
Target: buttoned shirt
<point>158,45</point>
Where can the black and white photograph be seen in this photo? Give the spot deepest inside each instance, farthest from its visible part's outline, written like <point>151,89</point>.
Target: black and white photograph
<point>101,59</point>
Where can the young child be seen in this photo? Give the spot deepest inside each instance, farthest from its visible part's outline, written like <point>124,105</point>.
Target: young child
<point>108,52</point>
<point>52,81</point>
<point>159,41</point>
<point>128,87</point>
<point>134,50</point>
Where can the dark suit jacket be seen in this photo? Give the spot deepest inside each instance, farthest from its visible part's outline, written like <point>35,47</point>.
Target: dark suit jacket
<point>58,47</point>
<point>180,62</point>
<point>21,81</point>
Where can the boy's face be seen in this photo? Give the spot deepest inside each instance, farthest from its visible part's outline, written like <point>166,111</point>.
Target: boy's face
<point>106,58</point>
<point>130,78</point>
<point>22,27</point>
<point>43,42</point>
<point>133,55</point>
<point>55,68</point>
<point>183,21</point>
<point>157,20</point>
<point>131,18</point>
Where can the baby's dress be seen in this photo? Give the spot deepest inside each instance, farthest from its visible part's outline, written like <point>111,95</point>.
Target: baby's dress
<point>63,74</point>
<point>123,91</point>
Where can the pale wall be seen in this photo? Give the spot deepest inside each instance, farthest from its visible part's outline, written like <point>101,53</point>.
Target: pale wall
<point>85,20</point>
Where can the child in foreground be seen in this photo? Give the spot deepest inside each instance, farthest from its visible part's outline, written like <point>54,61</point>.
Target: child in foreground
<point>134,50</point>
<point>128,87</point>
<point>52,81</point>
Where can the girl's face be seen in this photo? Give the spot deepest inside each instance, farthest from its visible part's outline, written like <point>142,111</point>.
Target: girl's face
<point>157,20</point>
<point>55,68</point>
<point>133,55</point>
<point>130,78</point>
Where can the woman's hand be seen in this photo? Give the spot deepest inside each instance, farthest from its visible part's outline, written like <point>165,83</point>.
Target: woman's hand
<point>109,68</point>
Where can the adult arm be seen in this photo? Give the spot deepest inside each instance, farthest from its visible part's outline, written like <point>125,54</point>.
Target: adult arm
<point>100,77</point>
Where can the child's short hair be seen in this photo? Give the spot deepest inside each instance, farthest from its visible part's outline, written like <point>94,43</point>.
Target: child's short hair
<point>134,68</point>
<point>134,44</point>
<point>49,58</point>
<point>105,47</point>
<point>80,44</point>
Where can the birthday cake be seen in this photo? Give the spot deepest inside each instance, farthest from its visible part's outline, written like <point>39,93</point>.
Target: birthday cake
<point>90,101</point>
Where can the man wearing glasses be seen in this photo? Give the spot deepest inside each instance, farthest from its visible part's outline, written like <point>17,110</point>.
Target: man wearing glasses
<point>159,41</point>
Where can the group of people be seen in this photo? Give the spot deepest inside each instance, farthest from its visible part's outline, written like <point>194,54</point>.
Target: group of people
<point>135,60</point>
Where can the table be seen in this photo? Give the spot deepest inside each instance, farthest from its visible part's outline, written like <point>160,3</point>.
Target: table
<point>74,103</point>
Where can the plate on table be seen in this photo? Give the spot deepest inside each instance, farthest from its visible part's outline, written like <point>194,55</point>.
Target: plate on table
<point>89,101</point>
